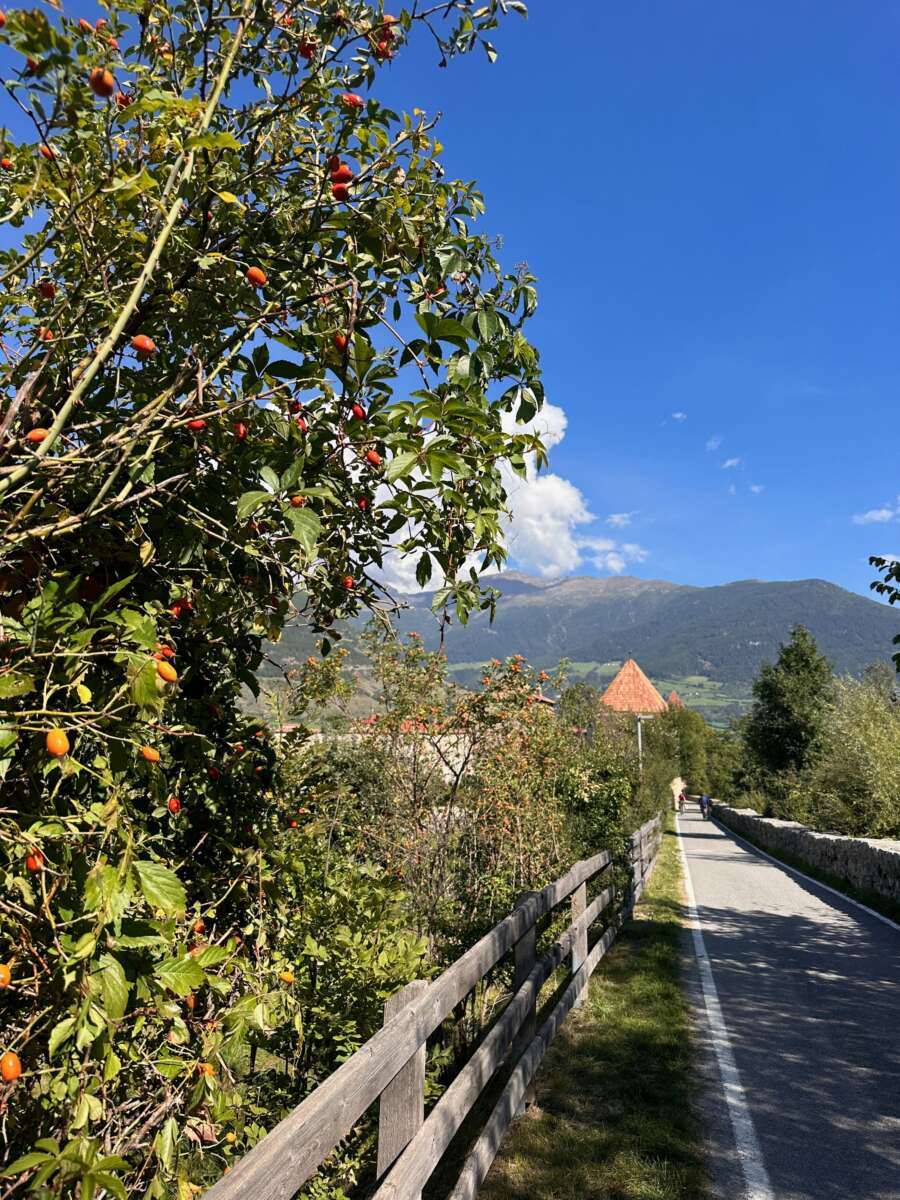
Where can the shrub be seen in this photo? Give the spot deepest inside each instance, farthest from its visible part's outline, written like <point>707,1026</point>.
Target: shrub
<point>197,320</point>
<point>854,786</point>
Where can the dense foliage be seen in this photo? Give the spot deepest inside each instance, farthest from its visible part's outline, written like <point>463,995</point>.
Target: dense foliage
<point>818,749</point>
<point>782,732</point>
<point>252,341</point>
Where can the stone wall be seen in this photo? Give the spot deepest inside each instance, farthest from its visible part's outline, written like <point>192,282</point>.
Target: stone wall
<point>871,864</point>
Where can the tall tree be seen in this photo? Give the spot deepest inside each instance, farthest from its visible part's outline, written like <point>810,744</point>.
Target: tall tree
<point>785,723</point>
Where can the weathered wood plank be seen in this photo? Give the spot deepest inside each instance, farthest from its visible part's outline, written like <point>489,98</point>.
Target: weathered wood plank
<point>479,1160</point>
<point>402,1106</point>
<point>578,904</point>
<point>525,953</point>
<point>290,1154</point>
<point>415,1165</point>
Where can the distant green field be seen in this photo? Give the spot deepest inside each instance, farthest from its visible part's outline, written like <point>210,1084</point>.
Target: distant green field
<point>719,702</point>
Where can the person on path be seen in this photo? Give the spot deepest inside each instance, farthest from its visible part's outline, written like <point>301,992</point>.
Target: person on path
<point>704,806</point>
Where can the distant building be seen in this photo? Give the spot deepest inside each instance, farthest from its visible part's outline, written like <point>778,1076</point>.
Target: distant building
<point>631,691</point>
<point>674,700</point>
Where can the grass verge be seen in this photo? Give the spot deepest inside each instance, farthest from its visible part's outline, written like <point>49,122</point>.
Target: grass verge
<point>613,1118</point>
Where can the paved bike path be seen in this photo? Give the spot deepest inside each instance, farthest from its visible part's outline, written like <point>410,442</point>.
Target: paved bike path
<point>809,996</point>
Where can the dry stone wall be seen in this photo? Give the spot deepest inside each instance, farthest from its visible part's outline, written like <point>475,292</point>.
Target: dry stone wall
<point>871,864</point>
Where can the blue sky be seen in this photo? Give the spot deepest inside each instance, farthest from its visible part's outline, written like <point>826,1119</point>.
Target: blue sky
<point>709,194</point>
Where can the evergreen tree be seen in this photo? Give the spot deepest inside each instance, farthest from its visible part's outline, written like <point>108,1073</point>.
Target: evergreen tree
<point>785,723</point>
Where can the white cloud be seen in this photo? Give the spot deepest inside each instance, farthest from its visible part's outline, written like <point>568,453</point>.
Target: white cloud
<point>732,490</point>
<point>620,520</point>
<point>714,442</point>
<point>635,552</point>
<point>730,462</point>
<point>679,416</point>
<point>877,516</point>
<point>546,513</point>
<point>756,488</point>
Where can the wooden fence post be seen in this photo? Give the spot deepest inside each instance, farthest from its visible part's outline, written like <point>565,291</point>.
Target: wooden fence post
<point>580,941</point>
<point>525,953</point>
<point>401,1109</point>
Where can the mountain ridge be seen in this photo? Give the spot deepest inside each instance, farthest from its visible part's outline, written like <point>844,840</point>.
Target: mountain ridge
<point>719,635</point>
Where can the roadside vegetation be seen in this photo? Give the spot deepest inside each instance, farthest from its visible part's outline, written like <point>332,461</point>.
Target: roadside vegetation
<point>820,749</point>
<point>613,1117</point>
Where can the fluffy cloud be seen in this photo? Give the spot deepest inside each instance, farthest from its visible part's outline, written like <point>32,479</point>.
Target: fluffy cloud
<point>679,416</point>
<point>730,462</point>
<point>714,442</point>
<point>620,520</point>
<point>756,488</point>
<point>878,516</point>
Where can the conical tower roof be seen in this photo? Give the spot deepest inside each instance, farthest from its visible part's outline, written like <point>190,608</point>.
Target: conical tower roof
<point>632,691</point>
<point>674,700</point>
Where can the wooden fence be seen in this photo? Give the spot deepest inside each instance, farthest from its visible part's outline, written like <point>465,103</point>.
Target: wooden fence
<point>390,1067</point>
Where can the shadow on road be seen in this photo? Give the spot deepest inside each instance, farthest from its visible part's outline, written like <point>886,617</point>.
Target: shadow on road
<point>810,992</point>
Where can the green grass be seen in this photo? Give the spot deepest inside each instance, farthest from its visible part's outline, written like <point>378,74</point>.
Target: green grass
<point>613,1117</point>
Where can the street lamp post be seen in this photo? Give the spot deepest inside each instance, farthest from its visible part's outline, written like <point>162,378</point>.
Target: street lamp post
<point>640,740</point>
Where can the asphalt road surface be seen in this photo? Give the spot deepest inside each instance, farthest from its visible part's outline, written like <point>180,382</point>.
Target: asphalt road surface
<point>808,991</point>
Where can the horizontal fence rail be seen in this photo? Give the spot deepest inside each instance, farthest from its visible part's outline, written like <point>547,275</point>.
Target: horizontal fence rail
<point>391,1064</point>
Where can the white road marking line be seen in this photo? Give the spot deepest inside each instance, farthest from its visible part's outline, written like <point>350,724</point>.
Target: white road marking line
<point>756,1176</point>
<point>802,875</point>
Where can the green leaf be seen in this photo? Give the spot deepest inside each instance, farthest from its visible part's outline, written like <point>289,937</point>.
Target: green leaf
<point>250,502</point>
<point>210,956</point>
<point>423,569</point>
<point>15,683</point>
<point>213,141</point>
<point>161,888</point>
<point>60,1033</point>
<point>142,683</point>
<point>180,975</point>
<point>400,465</point>
<point>166,1143</point>
<point>283,368</point>
<point>133,185</point>
<point>440,598</point>
<point>114,986</point>
<point>26,1162</point>
<point>306,528</point>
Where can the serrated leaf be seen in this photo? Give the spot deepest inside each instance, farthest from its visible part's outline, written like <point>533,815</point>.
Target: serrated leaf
<point>210,956</point>
<point>61,1032</point>
<point>26,1162</point>
<point>113,986</point>
<point>213,141</point>
<point>180,975</point>
<point>306,528</point>
<point>161,888</point>
<point>142,683</point>
<point>249,503</point>
<point>165,1144</point>
<point>15,683</point>
<point>400,465</point>
<point>283,368</point>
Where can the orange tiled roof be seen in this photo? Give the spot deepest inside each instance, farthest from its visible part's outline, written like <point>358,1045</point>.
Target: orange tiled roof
<point>674,700</point>
<point>632,691</point>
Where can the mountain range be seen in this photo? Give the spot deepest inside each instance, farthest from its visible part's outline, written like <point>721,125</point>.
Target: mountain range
<point>709,642</point>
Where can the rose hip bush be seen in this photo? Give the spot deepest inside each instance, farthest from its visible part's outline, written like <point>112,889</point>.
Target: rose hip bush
<point>251,341</point>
